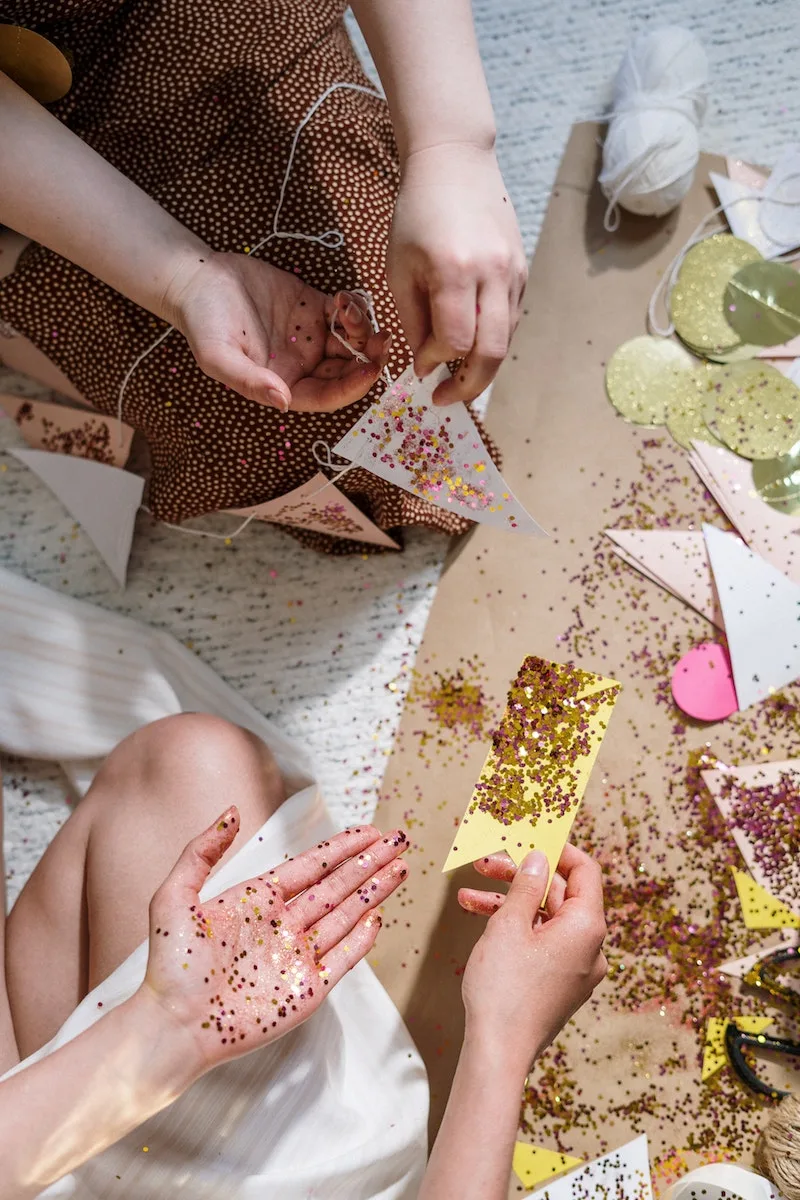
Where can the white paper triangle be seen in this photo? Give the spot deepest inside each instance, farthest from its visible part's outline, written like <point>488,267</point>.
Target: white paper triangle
<point>771,534</point>
<point>675,559</point>
<point>103,500</point>
<point>434,453</point>
<point>742,209</point>
<point>737,968</point>
<point>623,1174</point>
<point>780,209</point>
<point>761,610</point>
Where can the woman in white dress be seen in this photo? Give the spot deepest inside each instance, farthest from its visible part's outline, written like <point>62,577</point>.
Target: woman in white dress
<point>136,984</point>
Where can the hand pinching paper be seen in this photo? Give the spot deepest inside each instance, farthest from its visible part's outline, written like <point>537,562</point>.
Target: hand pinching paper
<point>434,453</point>
<point>542,754</point>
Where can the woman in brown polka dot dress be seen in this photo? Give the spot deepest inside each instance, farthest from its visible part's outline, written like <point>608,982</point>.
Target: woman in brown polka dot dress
<point>144,189</point>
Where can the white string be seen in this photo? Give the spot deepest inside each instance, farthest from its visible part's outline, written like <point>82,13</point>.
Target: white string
<point>640,163</point>
<point>670,276</point>
<point>219,537</point>
<point>331,239</point>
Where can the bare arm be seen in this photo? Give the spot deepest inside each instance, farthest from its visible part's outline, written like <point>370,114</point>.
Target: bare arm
<point>525,978</point>
<point>427,57</point>
<point>89,1093</point>
<point>57,191</point>
<point>72,1104</point>
<point>472,1153</point>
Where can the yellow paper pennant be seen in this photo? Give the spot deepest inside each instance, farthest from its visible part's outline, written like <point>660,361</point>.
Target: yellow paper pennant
<point>760,909</point>
<point>535,774</point>
<point>534,1164</point>
<point>715,1055</point>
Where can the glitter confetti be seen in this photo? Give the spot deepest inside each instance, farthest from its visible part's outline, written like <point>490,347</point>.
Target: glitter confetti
<point>542,755</point>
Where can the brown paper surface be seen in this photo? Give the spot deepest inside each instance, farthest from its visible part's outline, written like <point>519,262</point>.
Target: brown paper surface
<point>630,1061</point>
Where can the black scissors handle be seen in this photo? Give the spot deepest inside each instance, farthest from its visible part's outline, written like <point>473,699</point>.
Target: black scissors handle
<point>736,1040</point>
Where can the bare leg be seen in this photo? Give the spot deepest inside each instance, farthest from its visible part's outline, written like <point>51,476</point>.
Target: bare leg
<point>9,1054</point>
<point>18,353</point>
<point>84,909</point>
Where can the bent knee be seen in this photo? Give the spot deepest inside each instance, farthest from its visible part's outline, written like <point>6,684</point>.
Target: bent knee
<point>198,752</point>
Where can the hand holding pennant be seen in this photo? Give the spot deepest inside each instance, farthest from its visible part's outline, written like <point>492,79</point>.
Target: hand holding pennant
<point>534,777</point>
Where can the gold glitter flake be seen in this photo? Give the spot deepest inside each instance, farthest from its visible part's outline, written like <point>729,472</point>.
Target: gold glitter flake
<point>640,375</point>
<point>755,410</point>
<point>697,300</point>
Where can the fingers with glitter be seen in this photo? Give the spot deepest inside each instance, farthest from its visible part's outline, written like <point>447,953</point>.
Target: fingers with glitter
<point>201,855</point>
<point>354,878</point>
<point>299,873</point>
<point>501,866</point>
<point>350,950</point>
<point>341,920</point>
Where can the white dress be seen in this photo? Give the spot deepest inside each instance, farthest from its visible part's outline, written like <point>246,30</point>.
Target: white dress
<point>338,1108</point>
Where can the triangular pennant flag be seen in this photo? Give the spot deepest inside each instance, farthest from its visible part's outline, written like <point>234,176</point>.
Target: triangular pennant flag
<point>434,453</point>
<point>534,777</point>
<point>319,505</point>
<point>715,1056</point>
<point>737,968</point>
<point>760,910</point>
<point>762,797</point>
<point>623,1174</point>
<point>769,533</point>
<point>761,610</point>
<point>744,172</point>
<point>103,500</point>
<point>534,1164</point>
<point>742,207</point>
<point>65,430</point>
<point>676,559</point>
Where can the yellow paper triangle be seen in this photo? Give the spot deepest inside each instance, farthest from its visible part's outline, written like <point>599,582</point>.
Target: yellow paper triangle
<point>715,1055</point>
<point>534,1164</point>
<point>534,777</point>
<point>761,910</point>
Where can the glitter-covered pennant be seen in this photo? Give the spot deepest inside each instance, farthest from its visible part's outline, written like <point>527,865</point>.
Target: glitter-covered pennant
<point>534,1164</point>
<point>434,453</point>
<point>542,754</point>
<point>760,910</point>
<point>623,1174</point>
<point>64,430</point>
<point>761,804</point>
<point>319,505</point>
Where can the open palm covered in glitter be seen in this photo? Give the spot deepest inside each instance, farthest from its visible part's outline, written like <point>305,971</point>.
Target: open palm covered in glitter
<point>245,967</point>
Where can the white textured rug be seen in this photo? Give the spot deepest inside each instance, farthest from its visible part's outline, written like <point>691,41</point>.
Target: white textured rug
<point>313,642</point>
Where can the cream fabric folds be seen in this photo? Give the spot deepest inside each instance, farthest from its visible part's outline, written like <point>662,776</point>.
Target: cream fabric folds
<point>337,1109</point>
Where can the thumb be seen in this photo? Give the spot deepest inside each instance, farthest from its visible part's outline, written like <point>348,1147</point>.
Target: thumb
<point>203,853</point>
<point>232,366</point>
<point>528,887</point>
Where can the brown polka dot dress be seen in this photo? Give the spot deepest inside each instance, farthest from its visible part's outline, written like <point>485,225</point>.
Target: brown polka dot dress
<point>197,101</point>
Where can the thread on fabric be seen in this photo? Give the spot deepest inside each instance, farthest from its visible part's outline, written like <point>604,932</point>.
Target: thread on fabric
<point>777,1154</point>
<point>331,238</point>
<point>652,144</point>
<point>701,232</point>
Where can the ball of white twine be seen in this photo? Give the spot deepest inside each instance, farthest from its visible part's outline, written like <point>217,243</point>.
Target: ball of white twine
<point>652,145</point>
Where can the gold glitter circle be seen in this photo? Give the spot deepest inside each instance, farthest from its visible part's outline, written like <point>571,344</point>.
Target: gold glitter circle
<point>640,374</point>
<point>755,410</point>
<point>697,299</point>
<point>686,407</point>
<point>777,481</point>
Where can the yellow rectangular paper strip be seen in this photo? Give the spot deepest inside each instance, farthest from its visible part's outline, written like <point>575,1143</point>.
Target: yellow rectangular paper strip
<point>542,755</point>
